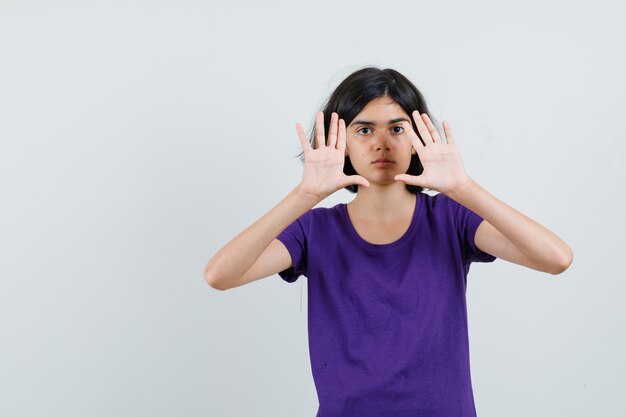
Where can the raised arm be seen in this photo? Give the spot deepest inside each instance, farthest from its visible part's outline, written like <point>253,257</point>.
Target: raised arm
<point>238,255</point>
<point>322,176</point>
<point>504,232</point>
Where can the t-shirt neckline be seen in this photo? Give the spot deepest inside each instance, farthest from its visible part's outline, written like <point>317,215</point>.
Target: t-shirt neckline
<point>384,246</point>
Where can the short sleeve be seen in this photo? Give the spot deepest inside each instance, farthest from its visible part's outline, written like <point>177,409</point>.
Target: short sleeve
<point>294,237</point>
<point>466,223</point>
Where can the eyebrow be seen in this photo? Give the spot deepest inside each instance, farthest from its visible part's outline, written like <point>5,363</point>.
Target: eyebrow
<point>370,123</point>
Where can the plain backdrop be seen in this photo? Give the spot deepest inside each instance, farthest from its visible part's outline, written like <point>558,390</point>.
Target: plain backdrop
<point>139,137</point>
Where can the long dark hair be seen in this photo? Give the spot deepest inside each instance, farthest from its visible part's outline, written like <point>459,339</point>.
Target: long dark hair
<point>358,89</point>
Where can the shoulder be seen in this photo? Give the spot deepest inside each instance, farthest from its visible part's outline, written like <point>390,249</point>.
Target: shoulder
<point>443,202</point>
<point>322,212</point>
<point>320,216</point>
<point>441,210</point>
<point>326,217</point>
<point>437,203</point>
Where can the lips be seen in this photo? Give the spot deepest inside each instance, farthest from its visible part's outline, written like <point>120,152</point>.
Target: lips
<point>382,160</point>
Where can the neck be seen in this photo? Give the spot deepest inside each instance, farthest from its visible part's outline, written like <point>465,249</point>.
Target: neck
<point>382,204</point>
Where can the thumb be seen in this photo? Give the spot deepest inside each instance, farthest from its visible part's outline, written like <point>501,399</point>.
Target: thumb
<point>409,179</point>
<point>357,179</point>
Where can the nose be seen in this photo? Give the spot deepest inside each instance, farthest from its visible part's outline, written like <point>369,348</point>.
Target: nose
<point>382,141</point>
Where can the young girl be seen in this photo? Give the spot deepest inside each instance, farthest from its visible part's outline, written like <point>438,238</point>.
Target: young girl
<point>387,272</point>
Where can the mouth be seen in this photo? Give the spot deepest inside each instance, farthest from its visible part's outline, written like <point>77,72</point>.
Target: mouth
<point>383,164</point>
<point>382,160</point>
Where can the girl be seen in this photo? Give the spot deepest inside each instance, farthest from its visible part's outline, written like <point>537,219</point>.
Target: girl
<point>387,272</point>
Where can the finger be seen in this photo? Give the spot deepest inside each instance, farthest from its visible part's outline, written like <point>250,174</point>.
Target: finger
<point>306,146</point>
<point>319,130</point>
<point>341,140</point>
<point>448,131</point>
<point>410,179</point>
<point>332,134</point>
<point>356,179</point>
<point>431,128</point>
<point>421,128</point>
<point>415,140</point>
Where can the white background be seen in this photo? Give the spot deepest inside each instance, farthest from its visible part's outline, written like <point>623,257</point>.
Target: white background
<point>137,138</point>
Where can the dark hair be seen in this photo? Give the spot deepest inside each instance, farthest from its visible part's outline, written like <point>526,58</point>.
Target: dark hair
<point>358,89</point>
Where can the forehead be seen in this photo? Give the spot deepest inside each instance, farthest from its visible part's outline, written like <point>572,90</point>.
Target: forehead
<point>380,110</point>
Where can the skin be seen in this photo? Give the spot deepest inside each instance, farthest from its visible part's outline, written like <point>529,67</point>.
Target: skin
<point>386,199</point>
<point>383,201</point>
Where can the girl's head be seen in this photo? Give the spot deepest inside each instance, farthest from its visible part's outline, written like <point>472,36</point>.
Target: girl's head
<point>377,96</point>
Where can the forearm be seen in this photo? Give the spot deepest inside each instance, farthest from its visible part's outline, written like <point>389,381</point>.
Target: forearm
<point>238,255</point>
<point>531,238</point>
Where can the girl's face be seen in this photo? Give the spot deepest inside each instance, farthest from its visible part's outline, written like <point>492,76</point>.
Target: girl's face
<point>376,132</point>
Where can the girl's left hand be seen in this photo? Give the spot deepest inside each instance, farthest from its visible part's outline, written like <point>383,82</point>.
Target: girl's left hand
<point>443,167</point>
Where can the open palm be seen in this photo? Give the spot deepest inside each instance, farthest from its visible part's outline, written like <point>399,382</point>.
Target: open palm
<point>323,166</point>
<point>443,166</point>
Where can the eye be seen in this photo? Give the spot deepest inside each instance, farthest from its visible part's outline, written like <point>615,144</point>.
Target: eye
<point>399,127</point>
<point>362,128</point>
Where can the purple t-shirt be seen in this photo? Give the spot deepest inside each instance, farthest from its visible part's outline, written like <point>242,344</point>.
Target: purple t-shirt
<point>387,324</point>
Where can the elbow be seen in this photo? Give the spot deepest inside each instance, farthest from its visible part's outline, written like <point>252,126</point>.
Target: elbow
<point>210,278</point>
<point>566,261</point>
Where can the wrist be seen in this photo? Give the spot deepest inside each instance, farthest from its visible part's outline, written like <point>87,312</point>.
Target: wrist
<point>461,189</point>
<point>311,199</point>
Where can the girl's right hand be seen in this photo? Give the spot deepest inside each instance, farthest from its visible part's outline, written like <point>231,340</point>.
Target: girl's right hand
<point>323,166</point>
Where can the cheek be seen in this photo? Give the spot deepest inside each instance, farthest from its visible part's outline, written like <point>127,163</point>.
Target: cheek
<point>404,147</point>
